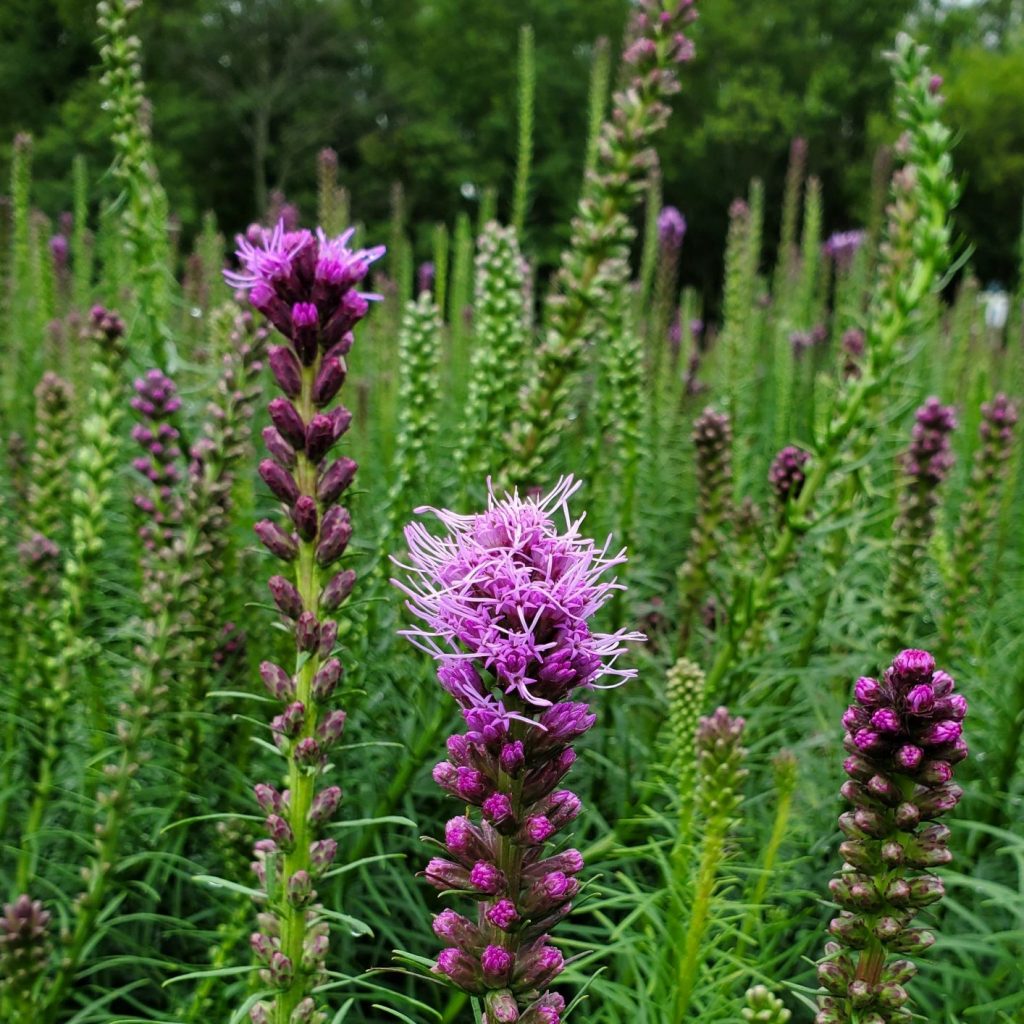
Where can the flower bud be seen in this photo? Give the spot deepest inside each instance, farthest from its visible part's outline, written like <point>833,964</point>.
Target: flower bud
<point>497,809</point>
<point>443,875</point>
<point>304,516</point>
<point>334,537</point>
<point>462,969</point>
<point>939,801</point>
<point>338,588</point>
<point>261,946</point>
<point>464,840</point>
<point>328,637</point>
<point>908,757</point>
<point>335,480</point>
<point>329,730</point>
<point>289,423</point>
<point>276,541</point>
<point>321,855</point>
<point>926,889</point>
<point>328,381</point>
<point>913,941</point>
<point>502,1007</point>
<point>289,723</point>
<point>325,803</point>
<point>300,889</point>
<point>497,964</point>
<point>280,969</point>
<point>279,448</point>
<point>320,436</point>
<point>285,596</point>
<point>307,753</point>
<point>326,679</point>
<point>279,684</point>
<point>280,482</point>
<point>512,758</point>
<point>280,831</point>
<point>486,878</point>
<point>502,914</point>
<point>537,968</point>
<point>457,930</point>
<point>286,370</point>
<point>305,1010</point>
<point>268,798</point>
<point>307,632</point>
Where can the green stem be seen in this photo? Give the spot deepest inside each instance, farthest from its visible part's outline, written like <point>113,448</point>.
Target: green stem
<point>301,780</point>
<point>691,960</point>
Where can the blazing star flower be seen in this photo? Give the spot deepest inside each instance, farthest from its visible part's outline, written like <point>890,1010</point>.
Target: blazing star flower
<point>304,283</point>
<point>786,474</point>
<point>671,228</point>
<point>904,737</point>
<point>506,598</point>
<point>842,247</point>
<point>509,594</point>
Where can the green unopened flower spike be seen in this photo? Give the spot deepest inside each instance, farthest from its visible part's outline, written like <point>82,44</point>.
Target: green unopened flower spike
<point>49,473</point>
<point>684,686</point>
<point>500,353</point>
<point>419,357</point>
<point>720,775</point>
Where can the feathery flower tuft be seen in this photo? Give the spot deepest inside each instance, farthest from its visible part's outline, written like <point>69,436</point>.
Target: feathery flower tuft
<point>671,228</point>
<point>506,598</point>
<point>304,284</point>
<point>842,247</point>
<point>903,735</point>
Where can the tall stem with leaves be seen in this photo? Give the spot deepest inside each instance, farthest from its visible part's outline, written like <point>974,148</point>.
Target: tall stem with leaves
<point>142,210</point>
<point>524,150</point>
<point>601,230</point>
<point>914,257</point>
<point>305,285</point>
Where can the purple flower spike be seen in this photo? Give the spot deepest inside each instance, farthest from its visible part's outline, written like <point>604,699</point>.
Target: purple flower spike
<point>304,284</point>
<point>896,791</point>
<point>671,228</point>
<point>843,246</point>
<point>506,600</point>
<point>786,475</point>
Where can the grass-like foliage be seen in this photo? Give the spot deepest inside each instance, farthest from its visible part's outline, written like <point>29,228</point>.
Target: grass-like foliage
<point>218,757</point>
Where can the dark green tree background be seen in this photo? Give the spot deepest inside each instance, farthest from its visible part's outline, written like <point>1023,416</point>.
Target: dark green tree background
<point>245,92</point>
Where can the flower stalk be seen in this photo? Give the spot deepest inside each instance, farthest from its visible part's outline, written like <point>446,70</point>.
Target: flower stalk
<point>506,601</point>
<point>305,285</point>
<point>903,735</point>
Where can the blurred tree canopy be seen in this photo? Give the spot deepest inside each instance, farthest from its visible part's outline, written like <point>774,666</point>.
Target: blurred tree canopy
<point>245,92</point>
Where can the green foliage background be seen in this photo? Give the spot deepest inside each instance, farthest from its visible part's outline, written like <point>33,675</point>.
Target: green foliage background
<point>245,92</point>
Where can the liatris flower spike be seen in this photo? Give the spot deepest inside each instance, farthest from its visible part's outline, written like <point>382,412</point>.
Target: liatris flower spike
<point>24,951</point>
<point>926,463</point>
<point>306,286</point>
<point>507,599</point>
<point>903,734</point>
<point>786,474</point>
<point>671,229</point>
